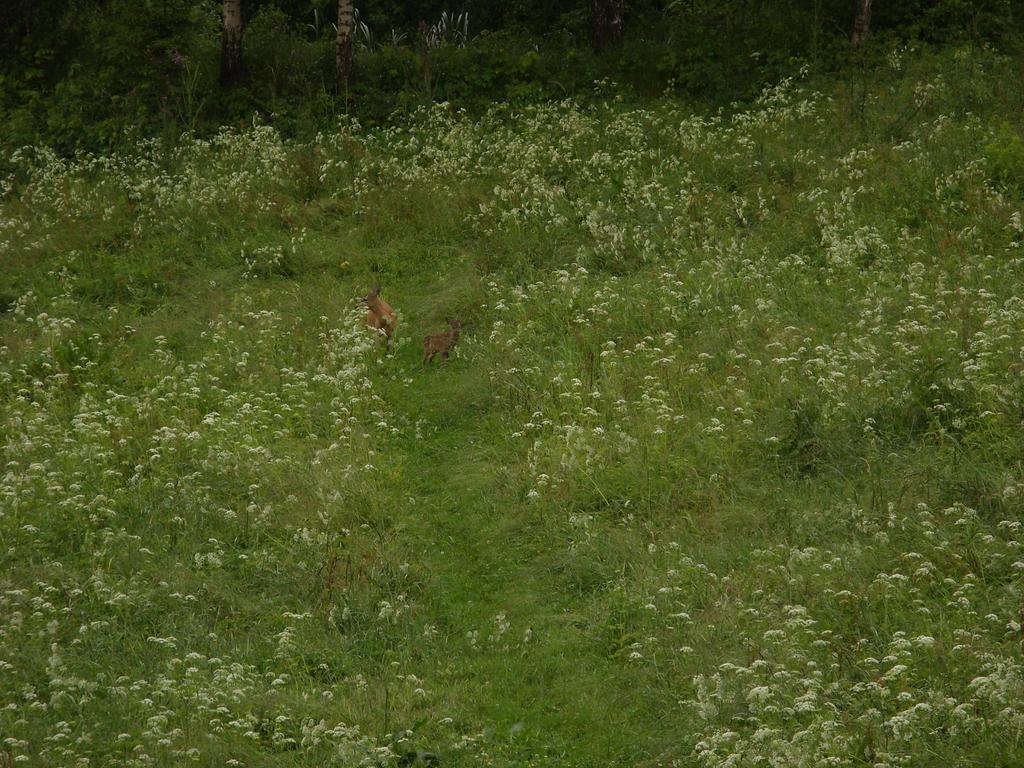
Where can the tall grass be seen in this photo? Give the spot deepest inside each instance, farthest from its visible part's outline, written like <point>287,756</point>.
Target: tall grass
<point>726,469</point>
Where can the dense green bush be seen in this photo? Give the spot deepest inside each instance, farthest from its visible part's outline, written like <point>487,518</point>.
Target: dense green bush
<point>1005,157</point>
<point>96,74</point>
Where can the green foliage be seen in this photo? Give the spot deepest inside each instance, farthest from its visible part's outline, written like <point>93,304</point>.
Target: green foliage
<point>289,69</point>
<point>94,75</point>
<point>1005,157</point>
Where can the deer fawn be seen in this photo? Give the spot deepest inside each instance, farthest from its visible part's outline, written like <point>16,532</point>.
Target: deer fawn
<point>441,342</point>
<point>379,315</point>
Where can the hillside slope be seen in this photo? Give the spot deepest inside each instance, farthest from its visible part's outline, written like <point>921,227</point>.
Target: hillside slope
<point>726,471</point>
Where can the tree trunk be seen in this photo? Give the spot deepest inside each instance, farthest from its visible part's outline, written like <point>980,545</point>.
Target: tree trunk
<point>862,22</point>
<point>607,19</point>
<point>343,49</point>
<point>231,68</point>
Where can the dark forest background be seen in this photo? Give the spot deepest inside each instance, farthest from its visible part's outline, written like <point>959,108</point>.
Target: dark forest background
<point>89,74</point>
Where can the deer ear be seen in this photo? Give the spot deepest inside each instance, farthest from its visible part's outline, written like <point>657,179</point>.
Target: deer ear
<point>376,289</point>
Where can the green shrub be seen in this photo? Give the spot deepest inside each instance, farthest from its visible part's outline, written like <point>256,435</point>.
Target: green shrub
<point>1005,157</point>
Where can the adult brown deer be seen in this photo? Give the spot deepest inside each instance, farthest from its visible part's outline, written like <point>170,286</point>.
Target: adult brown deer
<point>379,314</point>
<point>441,342</point>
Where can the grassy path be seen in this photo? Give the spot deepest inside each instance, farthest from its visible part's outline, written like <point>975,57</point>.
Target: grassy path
<point>545,687</point>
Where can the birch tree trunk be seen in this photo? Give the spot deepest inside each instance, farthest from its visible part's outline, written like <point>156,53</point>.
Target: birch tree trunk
<point>343,48</point>
<point>862,22</point>
<point>231,69</point>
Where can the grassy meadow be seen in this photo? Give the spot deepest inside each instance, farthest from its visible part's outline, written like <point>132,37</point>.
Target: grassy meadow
<point>727,469</point>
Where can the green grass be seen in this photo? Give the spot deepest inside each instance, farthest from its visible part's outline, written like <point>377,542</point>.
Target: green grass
<point>727,469</point>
